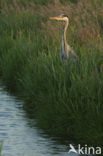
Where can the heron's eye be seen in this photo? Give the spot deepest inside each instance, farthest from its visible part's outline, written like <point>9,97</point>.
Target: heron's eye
<point>65,16</point>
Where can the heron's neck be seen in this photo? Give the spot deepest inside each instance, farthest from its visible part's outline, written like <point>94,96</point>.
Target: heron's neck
<point>64,41</point>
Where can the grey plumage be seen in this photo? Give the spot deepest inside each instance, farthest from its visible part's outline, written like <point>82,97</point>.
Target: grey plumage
<point>66,51</point>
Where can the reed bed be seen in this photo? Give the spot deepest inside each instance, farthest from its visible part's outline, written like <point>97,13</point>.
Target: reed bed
<point>66,98</point>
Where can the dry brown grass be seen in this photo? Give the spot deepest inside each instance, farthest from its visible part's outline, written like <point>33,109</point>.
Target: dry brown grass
<point>84,25</point>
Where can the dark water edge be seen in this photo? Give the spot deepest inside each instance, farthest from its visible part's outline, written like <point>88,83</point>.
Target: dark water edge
<point>20,134</point>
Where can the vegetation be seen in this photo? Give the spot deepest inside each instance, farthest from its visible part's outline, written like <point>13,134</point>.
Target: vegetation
<point>66,98</point>
<point>1,143</point>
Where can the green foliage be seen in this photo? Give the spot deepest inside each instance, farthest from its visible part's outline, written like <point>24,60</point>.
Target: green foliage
<point>27,2</point>
<point>43,2</point>
<point>12,61</point>
<point>1,144</point>
<point>18,24</point>
<point>66,1</point>
<point>64,97</point>
<point>67,98</point>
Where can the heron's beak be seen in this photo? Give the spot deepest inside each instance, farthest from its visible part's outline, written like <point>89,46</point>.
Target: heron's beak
<point>55,18</point>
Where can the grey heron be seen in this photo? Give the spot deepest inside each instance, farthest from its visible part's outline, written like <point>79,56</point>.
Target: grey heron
<point>66,51</point>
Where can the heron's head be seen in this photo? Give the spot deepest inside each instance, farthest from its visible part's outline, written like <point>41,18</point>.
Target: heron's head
<point>61,17</point>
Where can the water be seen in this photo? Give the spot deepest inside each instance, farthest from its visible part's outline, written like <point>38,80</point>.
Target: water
<point>20,135</point>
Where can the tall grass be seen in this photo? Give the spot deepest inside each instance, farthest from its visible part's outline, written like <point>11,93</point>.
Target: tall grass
<point>66,98</point>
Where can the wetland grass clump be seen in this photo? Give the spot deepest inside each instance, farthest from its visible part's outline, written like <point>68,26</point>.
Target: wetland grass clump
<point>66,98</point>
<point>12,62</point>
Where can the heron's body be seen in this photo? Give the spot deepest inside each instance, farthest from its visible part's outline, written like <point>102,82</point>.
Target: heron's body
<point>66,51</point>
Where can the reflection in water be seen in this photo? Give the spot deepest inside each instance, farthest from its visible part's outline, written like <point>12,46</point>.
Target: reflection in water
<point>19,138</point>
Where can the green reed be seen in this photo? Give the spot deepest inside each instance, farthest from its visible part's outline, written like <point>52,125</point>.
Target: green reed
<point>66,98</point>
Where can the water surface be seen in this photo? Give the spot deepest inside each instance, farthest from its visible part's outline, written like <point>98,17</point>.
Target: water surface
<point>20,135</point>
